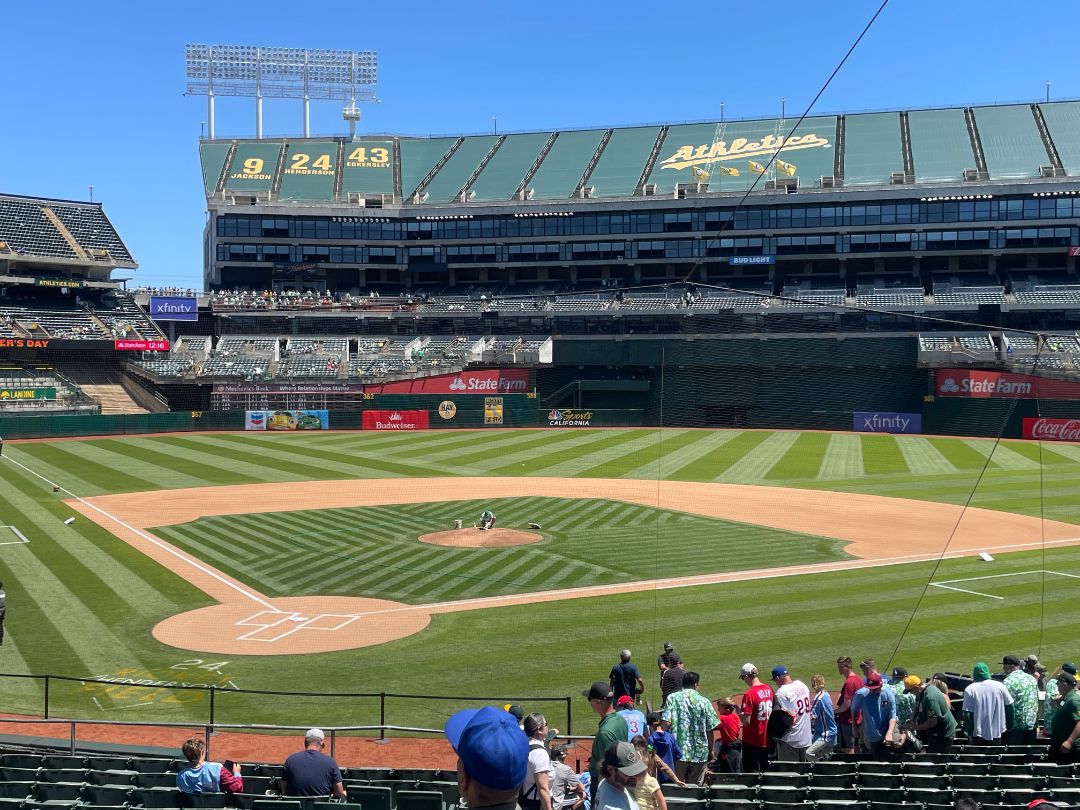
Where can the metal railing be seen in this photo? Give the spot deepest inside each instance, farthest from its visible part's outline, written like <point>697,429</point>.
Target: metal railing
<point>212,693</point>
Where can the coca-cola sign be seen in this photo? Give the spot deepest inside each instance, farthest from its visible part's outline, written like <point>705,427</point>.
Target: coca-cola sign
<point>1052,430</point>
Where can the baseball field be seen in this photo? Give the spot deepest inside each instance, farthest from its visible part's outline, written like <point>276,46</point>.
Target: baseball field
<point>329,562</point>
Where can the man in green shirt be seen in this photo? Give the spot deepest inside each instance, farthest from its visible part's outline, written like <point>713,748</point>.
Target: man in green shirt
<point>1053,697</point>
<point>934,717</point>
<point>612,729</point>
<point>1066,723</point>
<point>1025,691</point>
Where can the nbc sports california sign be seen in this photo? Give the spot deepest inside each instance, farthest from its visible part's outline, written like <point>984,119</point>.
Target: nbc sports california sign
<point>568,418</point>
<point>395,420</point>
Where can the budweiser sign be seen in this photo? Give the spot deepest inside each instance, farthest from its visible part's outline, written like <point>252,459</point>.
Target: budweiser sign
<point>395,420</point>
<point>1052,430</point>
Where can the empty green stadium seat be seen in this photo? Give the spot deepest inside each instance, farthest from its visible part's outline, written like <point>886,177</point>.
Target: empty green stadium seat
<point>54,793</point>
<point>57,761</point>
<point>840,779</point>
<point>204,800</point>
<point>872,779</point>
<point>16,790</point>
<point>728,792</point>
<point>154,780</point>
<point>112,778</point>
<point>278,804</point>
<point>156,797</point>
<point>33,761</point>
<point>18,774</point>
<point>419,800</point>
<point>372,797</point>
<point>106,796</point>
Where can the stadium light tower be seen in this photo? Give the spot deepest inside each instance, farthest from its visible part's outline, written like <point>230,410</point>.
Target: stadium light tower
<point>251,71</point>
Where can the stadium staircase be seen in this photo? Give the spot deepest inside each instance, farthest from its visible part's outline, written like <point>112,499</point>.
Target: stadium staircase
<point>114,390</point>
<point>113,398</point>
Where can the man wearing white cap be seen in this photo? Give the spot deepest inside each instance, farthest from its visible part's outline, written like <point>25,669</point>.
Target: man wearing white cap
<point>311,772</point>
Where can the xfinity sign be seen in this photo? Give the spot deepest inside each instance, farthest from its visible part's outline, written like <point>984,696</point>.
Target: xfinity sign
<point>887,422</point>
<point>174,308</point>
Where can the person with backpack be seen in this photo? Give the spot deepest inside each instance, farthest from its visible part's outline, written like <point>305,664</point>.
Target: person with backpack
<point>536,789</point>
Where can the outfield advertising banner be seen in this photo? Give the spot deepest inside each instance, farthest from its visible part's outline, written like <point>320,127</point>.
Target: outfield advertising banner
<point>1052,430</point>
<point>174,308</point>
<point>286,420</point>
<point>887,422</point>
<point>564,417</point>
<point>980,384</point>
<point>395,420</point>
<point>10,394</point>
<point>491,381</point>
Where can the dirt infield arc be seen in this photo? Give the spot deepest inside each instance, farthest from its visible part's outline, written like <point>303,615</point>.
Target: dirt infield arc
<point>878,531</point>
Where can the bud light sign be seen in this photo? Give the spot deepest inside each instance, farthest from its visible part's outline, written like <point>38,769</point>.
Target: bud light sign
<point>887,422</point>
<point>1052,430</point>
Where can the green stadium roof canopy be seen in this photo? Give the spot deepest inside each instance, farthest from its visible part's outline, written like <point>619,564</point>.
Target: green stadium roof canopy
<point>987,144</point>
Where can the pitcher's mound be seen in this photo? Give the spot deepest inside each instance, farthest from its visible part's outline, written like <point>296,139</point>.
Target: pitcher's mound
<point>474,538</point>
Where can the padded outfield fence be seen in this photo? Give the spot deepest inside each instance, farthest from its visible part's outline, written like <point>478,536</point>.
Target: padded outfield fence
<point>71,425</point>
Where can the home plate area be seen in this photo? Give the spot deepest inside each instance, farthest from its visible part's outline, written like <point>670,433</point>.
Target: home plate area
<point>272,625</point>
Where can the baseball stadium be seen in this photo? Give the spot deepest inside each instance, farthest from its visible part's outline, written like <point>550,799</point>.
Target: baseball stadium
<point>455,419</point>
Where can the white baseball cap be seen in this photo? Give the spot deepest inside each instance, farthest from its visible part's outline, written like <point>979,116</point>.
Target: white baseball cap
<point>748,669</point>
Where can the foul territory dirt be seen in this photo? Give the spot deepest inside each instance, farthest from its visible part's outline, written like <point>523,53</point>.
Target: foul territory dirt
<point>876,530</point>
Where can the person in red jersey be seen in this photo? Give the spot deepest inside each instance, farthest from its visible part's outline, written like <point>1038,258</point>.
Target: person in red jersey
<point>756,707</point>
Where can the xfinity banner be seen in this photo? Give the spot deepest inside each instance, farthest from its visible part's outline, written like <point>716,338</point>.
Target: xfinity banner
<point>887,422</point>
<point>174,308</point>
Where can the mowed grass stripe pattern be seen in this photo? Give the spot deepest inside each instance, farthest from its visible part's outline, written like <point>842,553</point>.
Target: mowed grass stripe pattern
<point>79,600</point>
<point>374,551</point>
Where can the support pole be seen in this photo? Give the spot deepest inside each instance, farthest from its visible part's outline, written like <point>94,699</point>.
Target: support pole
<point>258,116</point>
<point>210,115</point>
<point>307,117</point>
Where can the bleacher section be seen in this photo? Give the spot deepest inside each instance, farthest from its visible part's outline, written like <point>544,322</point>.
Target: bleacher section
<point>27,390</point>
<point>63,324</point>
<point>996,777</point>
<point>940,146</point>
<point>61,230</point>
<point>124,318</point>
<point>314,357</point>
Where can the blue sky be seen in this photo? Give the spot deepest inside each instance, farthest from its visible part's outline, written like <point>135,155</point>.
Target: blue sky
<point>93,91</point>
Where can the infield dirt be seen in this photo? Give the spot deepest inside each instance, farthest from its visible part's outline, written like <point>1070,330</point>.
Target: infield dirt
<point>877,530</point>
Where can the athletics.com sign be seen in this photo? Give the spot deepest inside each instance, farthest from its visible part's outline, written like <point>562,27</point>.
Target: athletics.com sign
<point>1052,430</point>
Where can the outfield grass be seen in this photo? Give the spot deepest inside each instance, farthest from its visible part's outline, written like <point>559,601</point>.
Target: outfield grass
<point>373,551</point>
<point>82,603</point>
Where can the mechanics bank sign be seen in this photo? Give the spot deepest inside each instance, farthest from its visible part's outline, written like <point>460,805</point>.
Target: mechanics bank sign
<point>174,308</point>
<point>887,422</point>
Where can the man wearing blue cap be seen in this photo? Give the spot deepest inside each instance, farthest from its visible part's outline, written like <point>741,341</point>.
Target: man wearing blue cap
<point>493,754</point>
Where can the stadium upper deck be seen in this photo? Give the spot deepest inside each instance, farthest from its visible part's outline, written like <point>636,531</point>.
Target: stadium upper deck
<point>972,145</point>
<point>933,198</point>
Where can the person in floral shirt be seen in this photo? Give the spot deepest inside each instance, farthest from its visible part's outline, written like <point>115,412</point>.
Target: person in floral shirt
<point>1025,691</point>
<point>692,719</point>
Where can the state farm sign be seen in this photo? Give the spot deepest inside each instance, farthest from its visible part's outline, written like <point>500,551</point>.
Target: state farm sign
<point>978,384</point>
<point>1052,430</point>
<point>490,381</point>
<point>395,420</point>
